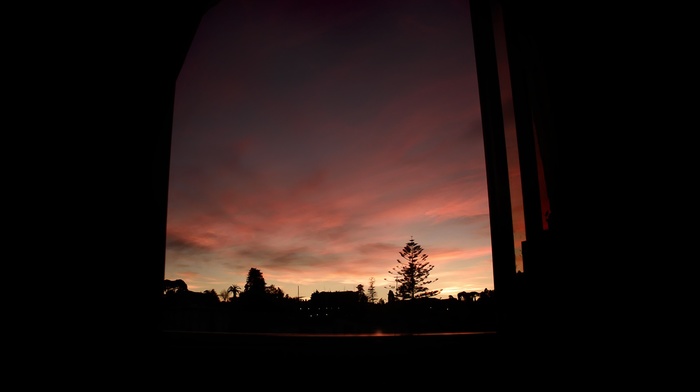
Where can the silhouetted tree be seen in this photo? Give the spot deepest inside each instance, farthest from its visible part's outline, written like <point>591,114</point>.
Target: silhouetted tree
<point>361,296</point>
<point>390,297</point>
<point>411,275</point>
<point>211,295</point>
<point>274,292</point>
<point>234,289</point>
<point>464,296</point>
<point>174,286</point>
<point>254,288</point>
<point>371,291</point>
<point>484,295</point>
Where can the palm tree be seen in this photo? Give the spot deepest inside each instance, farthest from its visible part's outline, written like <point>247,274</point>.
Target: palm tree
<point>234,289</point>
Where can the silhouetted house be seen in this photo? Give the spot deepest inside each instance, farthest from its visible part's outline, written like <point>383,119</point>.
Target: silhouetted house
<point>334,298</point>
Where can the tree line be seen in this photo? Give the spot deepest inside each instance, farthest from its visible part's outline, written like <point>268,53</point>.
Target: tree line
<point>258,306</point>
<point>411,280</point>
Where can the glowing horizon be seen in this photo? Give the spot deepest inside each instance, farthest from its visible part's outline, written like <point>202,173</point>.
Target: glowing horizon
<point>312,143</point>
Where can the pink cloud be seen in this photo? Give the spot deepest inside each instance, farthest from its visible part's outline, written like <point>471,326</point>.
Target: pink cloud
<point>324,164</point>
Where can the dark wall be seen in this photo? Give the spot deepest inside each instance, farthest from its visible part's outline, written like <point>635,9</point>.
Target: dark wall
<point>95,85</point>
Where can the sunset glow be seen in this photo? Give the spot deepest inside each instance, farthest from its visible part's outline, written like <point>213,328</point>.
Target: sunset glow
<point>311,140</point>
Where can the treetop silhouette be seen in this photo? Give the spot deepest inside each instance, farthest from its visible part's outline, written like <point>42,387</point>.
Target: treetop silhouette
<point>411,276</point>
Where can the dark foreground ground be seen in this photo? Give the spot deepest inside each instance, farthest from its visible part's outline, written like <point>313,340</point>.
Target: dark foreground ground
<point>311,346</point>
<point>484,356</point>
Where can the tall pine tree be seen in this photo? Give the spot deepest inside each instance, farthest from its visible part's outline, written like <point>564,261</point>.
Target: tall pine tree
<point>411,276</point>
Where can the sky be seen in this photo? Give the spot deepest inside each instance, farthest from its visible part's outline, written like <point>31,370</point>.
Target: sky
<point>313,139</point>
